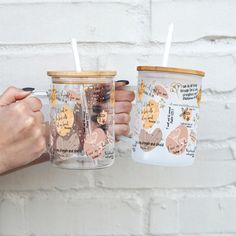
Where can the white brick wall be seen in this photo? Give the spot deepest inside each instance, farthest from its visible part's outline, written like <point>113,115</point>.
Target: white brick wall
<point>127,199</point>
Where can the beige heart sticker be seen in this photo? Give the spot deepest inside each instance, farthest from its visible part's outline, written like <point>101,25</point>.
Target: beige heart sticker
<point>92,138</point>
<point>176,141</point>
<point>161,91</point>
<point>94,144</point>
<point>66,147</point>
<point>149,141</point>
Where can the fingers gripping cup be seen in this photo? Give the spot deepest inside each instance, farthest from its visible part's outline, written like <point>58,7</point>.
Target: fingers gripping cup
<point>167,113</point>
<point>82,119</point>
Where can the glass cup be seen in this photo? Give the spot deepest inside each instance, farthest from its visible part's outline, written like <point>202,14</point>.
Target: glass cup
<point>166,115</point>
<point>82,119</point>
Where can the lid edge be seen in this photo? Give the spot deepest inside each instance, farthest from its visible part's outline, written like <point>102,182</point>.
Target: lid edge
<point>81,74</point>
<point>171,70</point>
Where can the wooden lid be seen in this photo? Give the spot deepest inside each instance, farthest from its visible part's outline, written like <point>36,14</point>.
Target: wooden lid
<point>171,70</point>
<point>82,74</point>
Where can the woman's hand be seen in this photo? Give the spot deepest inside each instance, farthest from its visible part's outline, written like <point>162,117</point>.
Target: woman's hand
<point>123,99</point>
<point>22,136</point>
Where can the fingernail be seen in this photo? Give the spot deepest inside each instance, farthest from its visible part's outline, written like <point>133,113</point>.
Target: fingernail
<point>106,98</point>
<point>104,127</point>
<point>97,108</point>
<point>28,89</point>
<point>123,81</point>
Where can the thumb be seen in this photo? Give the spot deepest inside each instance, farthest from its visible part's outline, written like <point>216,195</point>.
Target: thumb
<point>11,95</point>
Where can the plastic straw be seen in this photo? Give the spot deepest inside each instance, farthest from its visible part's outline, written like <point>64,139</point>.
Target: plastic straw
<point>76,54</point>
<point>82,93</point>
<point>168,45</point>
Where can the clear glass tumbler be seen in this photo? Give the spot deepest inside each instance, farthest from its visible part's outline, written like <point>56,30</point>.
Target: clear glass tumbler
<point>82,119</point>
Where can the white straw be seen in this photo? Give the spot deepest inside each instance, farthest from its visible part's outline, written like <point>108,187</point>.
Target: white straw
<point>82,93</point>
<point>168,45</point>
<point>76,54</point>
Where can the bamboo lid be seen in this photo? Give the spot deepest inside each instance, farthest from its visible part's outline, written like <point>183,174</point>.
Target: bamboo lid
<point>82,74</point>
<point>171,70</point>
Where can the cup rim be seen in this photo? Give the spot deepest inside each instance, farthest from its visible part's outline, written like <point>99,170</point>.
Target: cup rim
<point>171,70</point>
<point>81,74</point>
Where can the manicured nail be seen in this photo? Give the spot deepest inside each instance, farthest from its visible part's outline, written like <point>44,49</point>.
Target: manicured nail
<point>106,97</point>
<point>123,81</point>
<point>97,108</point>
<point>28,89</point>
<point>104,127</point>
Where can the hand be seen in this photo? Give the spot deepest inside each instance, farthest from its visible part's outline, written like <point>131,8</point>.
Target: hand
<point>123,106</point>
<point>22,136</point>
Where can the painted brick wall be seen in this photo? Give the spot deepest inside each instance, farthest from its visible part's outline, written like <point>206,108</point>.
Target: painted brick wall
<point>127,198</point>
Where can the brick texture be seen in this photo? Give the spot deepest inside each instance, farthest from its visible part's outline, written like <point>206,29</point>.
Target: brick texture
<point>127,199</point>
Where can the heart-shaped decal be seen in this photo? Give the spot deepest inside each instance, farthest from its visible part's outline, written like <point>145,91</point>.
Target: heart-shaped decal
<point>92,138</point>
<point>161,91</point>
<point>94,144</point>
<point>176,141</point>
<point>65,147</point>
<point>149,141</point>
